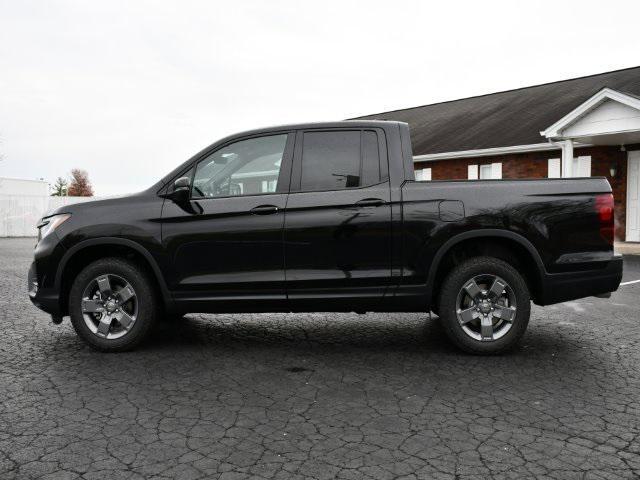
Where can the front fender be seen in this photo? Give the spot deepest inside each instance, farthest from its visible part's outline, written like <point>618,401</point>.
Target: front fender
<point>108,241</point>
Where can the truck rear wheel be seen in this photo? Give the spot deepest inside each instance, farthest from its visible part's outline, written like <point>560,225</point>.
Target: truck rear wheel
<point>112,304</point>
<point>484,305</point>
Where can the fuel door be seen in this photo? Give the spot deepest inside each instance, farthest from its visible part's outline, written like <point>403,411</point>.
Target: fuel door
<point>451,210</point>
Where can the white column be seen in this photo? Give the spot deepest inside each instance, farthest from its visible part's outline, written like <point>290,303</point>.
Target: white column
<point>567,158</point>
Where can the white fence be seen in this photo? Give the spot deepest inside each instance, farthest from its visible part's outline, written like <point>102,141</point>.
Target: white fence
<point>20,213</point>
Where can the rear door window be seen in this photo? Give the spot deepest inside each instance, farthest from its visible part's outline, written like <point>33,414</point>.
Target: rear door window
<point>336,160</point>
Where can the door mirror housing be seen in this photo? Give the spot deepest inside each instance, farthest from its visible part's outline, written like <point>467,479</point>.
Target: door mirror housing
<point>180,191</point>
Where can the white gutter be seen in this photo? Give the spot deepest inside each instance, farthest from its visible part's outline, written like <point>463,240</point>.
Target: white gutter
<point>486,152</point>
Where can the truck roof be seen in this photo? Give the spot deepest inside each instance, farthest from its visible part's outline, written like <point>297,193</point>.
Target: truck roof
<point>299,126</point>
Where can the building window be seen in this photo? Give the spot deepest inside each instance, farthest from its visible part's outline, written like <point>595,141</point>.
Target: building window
<point>553,168</point>
<point>490,171</point>
<point>423,175</point>
<point>581,167</point>
<point>496,171</point>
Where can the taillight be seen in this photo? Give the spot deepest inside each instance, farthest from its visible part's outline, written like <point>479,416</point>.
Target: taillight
<point>604,208</point>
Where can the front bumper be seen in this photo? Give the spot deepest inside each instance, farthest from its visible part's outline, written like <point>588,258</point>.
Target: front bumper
<point>562,287</point>
<point>41,285</point>
<point>32,281</point>
<point>46,299</point>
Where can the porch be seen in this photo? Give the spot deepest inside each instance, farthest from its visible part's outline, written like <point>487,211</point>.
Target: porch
<point>609,118</point>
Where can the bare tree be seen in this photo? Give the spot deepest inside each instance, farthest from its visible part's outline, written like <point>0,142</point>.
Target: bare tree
<point>80,186</point>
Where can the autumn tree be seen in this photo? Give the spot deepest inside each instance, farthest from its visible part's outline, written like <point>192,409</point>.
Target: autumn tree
<point>80,186</point>
<point>60,188</point>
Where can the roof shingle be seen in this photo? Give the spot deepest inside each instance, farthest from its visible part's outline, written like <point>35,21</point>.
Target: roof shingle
<point>513,117</point>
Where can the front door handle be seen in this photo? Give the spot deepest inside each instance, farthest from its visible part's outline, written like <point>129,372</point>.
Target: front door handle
<point>370,202</point>
<point>264,210</point>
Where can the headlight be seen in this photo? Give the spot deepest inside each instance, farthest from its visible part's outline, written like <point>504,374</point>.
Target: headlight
<point>49,224</point>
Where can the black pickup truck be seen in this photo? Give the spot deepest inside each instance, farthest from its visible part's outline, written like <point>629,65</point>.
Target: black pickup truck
<point>325,217</point>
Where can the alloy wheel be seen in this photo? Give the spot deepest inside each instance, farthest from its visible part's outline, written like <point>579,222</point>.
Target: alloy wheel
<point>109,306</point>
<point>486,307</point>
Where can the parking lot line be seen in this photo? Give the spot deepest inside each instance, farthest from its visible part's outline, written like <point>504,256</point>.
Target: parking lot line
<point>629,283</point>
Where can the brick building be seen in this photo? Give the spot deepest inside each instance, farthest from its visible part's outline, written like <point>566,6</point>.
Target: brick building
<point>588,126</point>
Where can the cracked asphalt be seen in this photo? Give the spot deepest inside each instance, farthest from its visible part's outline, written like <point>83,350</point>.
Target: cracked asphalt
<point>320,396</point>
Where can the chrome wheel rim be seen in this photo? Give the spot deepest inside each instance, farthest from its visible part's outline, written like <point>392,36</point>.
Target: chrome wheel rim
<point>109,306</point>
<point>486,307</point>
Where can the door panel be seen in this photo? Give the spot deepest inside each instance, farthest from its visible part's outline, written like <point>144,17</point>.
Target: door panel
<point>333,245</point>
<point>225,243</point>
<point>338,242</point>
<point>227,249</point>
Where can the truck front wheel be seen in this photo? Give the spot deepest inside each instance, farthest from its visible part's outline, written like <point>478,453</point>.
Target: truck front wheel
<point>484,305</point>
<point>113,305</point>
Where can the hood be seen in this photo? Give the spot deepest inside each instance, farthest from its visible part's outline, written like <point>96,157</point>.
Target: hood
<point>80,204</point>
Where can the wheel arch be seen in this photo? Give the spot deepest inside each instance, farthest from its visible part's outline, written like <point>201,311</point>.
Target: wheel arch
<point>521,248</point>
<point>103,247</point>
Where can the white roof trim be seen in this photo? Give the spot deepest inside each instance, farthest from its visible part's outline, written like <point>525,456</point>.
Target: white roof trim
<point>605,94</point>
<point>486,152</point>
<point>23,179</point>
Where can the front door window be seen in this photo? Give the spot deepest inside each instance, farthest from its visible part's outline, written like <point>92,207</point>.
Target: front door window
<point>247,167</point>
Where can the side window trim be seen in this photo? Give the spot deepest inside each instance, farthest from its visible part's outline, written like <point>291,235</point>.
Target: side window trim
<point>350,189</point>
<point>296,170</point>
<point>284,178</point>
<point>383,154</point>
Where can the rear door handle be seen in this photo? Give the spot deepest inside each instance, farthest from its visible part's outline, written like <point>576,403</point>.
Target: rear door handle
<point>264,210</point>
<point>370,202</point>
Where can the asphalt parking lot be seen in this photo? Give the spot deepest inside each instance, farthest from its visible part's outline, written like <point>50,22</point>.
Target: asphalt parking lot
<point>320,396</point>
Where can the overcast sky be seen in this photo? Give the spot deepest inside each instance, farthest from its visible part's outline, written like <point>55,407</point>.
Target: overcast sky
<point>129,89</point>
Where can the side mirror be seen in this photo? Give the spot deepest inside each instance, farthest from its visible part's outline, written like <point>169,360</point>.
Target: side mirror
<point>181,189</point>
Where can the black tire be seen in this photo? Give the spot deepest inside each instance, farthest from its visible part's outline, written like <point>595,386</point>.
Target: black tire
<point>146,298</point>
<point>454,284</point>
